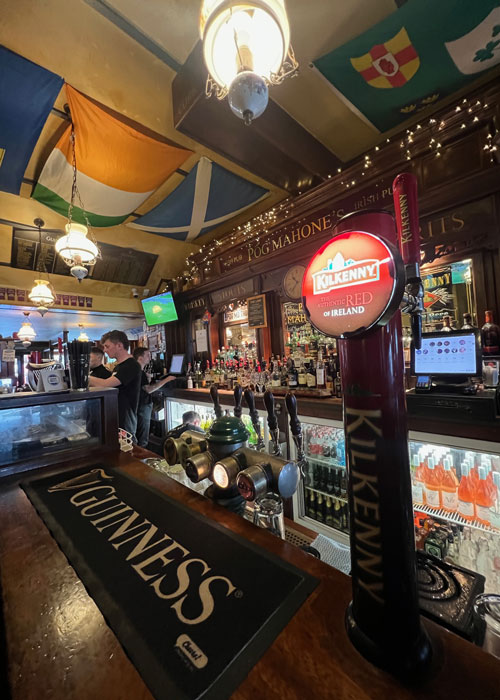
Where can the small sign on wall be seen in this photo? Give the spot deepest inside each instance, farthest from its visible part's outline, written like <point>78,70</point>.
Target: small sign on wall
<point>257,312</point>
<point>201,341</point>
<point>9,355</point>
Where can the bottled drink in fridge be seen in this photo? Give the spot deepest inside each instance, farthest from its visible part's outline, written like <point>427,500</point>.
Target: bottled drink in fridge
<point>432,485</point>
<point>466,507</point>
<point>449,488</point>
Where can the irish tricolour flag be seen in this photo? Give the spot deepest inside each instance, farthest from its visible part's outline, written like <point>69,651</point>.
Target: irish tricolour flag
<point>118,167</point>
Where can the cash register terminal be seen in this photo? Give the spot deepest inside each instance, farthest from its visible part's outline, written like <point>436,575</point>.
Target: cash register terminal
<point>447,361</point>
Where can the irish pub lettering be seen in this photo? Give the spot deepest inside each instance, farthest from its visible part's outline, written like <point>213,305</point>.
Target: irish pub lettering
<point>362,432</point>
<point>296,235</point>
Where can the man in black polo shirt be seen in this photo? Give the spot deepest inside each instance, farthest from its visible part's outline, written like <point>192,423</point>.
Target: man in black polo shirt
<point>97,368</point>
<point>126,376</point>
<point>143,357</point>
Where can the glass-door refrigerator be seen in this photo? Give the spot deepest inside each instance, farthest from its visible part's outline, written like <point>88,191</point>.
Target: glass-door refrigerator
<point>455,489</point>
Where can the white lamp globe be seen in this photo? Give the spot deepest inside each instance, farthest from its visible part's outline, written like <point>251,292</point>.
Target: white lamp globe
<point>75,246</point>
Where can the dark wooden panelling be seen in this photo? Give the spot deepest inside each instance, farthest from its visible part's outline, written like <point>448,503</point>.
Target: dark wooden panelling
<point>275,146</point>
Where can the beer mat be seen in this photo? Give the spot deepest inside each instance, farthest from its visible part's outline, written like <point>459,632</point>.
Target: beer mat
<point>194,605</point>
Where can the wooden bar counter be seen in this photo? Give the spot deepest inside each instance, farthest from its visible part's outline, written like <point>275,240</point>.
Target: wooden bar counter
<point>59,645</point>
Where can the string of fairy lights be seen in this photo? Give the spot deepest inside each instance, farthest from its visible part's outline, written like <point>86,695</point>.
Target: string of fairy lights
<point>472,113</point>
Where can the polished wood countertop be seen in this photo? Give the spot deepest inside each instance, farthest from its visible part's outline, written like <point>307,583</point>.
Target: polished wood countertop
<point>59,645</point>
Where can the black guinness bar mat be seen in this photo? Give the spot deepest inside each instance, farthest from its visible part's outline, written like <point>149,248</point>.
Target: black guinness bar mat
<point>194,605</point>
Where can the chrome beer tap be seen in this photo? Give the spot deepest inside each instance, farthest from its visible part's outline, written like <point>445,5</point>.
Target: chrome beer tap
<point>254,416</point>
<point>272,422</point>
<point>296,430</point>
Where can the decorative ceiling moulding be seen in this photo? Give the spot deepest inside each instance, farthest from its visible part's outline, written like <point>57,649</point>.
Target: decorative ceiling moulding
<point>275,147</point>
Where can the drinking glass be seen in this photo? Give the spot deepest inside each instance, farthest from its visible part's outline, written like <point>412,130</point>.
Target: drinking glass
<point>268,514</point>
<point>487,607</point>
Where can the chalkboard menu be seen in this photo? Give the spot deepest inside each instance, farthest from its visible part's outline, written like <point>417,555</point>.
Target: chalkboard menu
<point>257,313</point>
<point>120,265</point>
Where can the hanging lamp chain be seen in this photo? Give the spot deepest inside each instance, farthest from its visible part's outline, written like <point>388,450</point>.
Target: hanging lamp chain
<point>75,193</point>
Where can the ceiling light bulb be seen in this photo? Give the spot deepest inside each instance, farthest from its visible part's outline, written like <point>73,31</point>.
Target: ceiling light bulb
<point>75,246</point>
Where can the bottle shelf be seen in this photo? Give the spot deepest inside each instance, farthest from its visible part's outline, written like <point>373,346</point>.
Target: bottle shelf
<point>325,461</point>
<point>325,493</point>
<point>454,518</point>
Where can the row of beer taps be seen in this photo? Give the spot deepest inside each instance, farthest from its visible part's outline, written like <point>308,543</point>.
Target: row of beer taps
<point>272,420</point>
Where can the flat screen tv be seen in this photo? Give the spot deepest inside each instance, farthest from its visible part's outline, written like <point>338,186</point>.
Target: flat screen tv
<point>159,309</point>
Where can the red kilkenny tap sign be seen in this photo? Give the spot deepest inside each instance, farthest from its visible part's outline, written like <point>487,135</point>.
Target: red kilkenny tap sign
<point>350,284</point>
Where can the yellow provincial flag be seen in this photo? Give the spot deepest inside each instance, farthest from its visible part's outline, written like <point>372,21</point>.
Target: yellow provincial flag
<point>389,65</point>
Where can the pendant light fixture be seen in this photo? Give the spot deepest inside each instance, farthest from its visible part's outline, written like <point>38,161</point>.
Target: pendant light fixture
<point>83,337</point>
<point>246,47</point>
<point>76,248</point>
<point>26,333</point>
<point>42,295</point>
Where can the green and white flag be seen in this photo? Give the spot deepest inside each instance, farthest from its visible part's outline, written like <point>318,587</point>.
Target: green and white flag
<point>424,51</point>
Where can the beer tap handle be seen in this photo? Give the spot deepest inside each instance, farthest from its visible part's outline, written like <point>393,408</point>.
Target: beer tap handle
<point>272,422</point>
<point>254,415</point>
<point>238,394</point>
<point>406,210</point>
<point>214,395</point>
<point>296,430</point>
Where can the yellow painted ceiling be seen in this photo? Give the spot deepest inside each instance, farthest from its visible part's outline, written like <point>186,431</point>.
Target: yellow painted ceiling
<point>73,39</point>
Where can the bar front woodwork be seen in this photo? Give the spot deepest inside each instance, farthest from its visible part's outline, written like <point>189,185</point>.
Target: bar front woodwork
<point>59,645</point>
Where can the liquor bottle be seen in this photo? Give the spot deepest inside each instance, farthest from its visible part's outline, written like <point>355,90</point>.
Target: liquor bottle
<point>302,376</point>
<point>320,515</point>
<point>447,327</point>
<point>292,375</point>
<point>338,386</point>
<point>320,373</point>
<point>449,488</point>
<point>189,377</point>
<point>330,483</point>
<point>483,499</point>
<point>329,380</point>
<point>466,506</point>
<point>329,512</point>
<point>490,335</point>
<point>311,376</point>
<point>432,485</point>
<point>467,324</point>
<point>276,377</point>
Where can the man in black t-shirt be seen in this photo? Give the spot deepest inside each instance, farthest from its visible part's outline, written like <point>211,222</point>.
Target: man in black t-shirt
<point>97,368</point>
<point>126,376</point>
<point>143,357</point>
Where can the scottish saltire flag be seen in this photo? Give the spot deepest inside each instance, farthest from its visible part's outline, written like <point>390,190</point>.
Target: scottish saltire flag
<point>118,167</point>
<point>207,197</point>
<point>27,94</point>
<point>424,51</point>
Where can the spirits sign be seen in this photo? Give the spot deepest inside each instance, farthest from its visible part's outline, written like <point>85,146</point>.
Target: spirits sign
<point>354,282</point>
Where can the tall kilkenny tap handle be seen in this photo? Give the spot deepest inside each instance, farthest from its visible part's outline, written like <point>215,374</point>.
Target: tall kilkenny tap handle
<point>238,394</point>
<point>214,394</point>
<point>272,420</point>
<point>291,407</point>
<point>250,400</point>
<point>404,190</point>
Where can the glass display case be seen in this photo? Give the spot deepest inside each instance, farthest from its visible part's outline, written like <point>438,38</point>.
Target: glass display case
<point>239,338</point>
<point>40,429</point>
<point>455,489</point>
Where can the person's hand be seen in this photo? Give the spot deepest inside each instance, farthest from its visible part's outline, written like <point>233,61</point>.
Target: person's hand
<point>168,379</point>
<point>149,376</point>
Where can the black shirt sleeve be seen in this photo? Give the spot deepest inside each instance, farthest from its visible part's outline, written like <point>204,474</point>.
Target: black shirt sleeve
<point>101,372</point>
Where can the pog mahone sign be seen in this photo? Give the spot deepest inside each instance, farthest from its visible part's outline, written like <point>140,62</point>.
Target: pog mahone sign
<point>351,284</point>
<point>194,605</point>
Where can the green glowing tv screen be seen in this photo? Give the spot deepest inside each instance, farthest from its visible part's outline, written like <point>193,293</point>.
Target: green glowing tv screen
<point>159,309</point>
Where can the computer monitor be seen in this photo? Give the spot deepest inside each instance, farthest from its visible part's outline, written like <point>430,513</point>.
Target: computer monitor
<point>455,355</point>
<point>176,364</point>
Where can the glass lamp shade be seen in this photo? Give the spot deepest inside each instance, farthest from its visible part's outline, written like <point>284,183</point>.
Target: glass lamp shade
<point>76,246</point>
<point>252,35</point>
<point>42,294</point>
<point>83,337</point>
<point>26,332</point>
